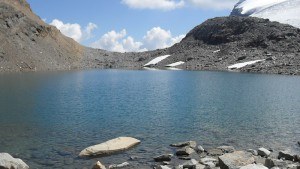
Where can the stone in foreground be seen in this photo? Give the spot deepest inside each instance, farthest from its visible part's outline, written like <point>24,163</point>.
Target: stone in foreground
<point>263,152</point>
<point>235,160</point>
<point>98,165</point>
<point>254,166</point>
<point>8,162</point>
<point>110,147</point>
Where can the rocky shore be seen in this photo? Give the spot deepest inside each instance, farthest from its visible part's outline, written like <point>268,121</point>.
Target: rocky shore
<point>190,155</point>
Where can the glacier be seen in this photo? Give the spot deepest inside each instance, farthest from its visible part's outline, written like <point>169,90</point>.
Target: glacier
<point>283,11</point>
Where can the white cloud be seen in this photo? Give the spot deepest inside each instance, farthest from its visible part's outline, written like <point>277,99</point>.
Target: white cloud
<point>214,4</point>
<point>154,4</point>
<point>89,30</point>
<point>74,31</point>
<point>118,42</point>
<point>156,38</point>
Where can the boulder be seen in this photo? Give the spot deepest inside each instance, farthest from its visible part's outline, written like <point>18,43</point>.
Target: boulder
<point>110,147</point>
<point>191,144</point>
<point>235,160</point>
<point>8,162</point>
<point>200,149</point>
<point>263,152</point>
<point>276,163</point>
<point>227,149</point>
<point>164,157</point>
<point>98,165</point>
<point>125,164</point>
<point>254,166</point>
<point>185,151</point>
<point>286,155</point>
<point>215,152</point>
<point>254,152</point>
<point>190,164</point>
<point>208,161</point>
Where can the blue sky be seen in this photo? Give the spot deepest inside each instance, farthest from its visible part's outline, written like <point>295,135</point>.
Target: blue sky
<point>128,25</point>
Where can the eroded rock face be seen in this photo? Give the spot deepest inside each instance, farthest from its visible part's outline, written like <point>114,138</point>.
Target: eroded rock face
<point>8,162</point>
<point>110,147</point>
<point>235,160</point>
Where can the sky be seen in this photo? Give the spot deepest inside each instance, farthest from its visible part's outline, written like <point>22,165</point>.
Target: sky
<point>128,25</point>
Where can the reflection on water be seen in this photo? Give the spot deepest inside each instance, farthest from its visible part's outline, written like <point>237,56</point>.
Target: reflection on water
<point>48,118</point>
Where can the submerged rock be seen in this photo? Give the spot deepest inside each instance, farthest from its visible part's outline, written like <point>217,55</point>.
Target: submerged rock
<point>8,162</point>
<point>110,147</point>
<point>164,157</point>
<point>236,160</point>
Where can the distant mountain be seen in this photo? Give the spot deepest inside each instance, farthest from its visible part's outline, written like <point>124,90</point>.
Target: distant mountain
<point>283,11</point>
<point>29,44</point>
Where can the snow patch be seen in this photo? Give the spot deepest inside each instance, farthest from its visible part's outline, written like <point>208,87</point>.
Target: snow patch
<point>175,64</point>
<point>240,65</point>
<point>283,11</point>
<point>156,60</point>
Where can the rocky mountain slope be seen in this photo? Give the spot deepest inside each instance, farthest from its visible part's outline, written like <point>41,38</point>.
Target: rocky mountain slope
<point>29,44</point>
<point>283,11</point>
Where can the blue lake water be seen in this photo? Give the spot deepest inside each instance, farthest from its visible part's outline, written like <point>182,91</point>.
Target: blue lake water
<point>48,118</point>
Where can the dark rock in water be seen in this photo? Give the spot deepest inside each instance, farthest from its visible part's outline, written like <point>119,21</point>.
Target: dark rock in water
<point>165,157</point>
<point>297,158</point>
<point>191,144</point>
<point>286,155</point>
<point>236,159</point>
<point>185,151</point>
<point>8,162</point>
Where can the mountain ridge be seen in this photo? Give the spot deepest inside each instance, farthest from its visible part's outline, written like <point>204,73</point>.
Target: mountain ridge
<point>29,44</point>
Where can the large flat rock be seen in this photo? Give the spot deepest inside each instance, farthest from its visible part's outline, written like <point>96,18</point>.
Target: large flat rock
<point>8,162</point>
<point>235,160</point>
<point>110,147</point>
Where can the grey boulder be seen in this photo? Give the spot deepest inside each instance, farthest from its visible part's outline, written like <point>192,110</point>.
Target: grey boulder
<point>235,160</point>
<point>263,152</point>
<point>8,162</point>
